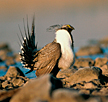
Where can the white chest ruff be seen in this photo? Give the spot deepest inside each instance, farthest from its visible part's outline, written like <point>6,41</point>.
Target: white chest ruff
<point>67,58</point>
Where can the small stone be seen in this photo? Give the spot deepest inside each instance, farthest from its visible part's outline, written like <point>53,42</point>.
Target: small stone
<point>10,61</point>
<point>6,84</point>
<point>23,78</point>
<point>85,74</point>
<point>17,58</point>
<point>96,82</point>
<point>100,61</point>
<point>4,57</point>
<point>104,42</point>
<point>3,67</point>
<point>95,92</point>
<point>9,78</point>
<point>104,91</point>
<point>89,85</point>
<point>17,82</point>
<point>95,99</point>
<point>3,78</point>
<point>89,50</point>
<point>77,86</point>
<point>4,46</point>
<point>66,72</point>
<point>67,95</point>
<point>104,69</point>
<point>84,91</point>
<point>83,62</point>
<point>13,72</point>
<point>2,52</point>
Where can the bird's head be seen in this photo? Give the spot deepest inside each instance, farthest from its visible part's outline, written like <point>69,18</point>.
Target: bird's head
<point>68,27</point>
<point>63,34</point>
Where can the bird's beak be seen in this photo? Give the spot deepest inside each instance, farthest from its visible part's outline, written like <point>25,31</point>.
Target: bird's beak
<point>73,28</point>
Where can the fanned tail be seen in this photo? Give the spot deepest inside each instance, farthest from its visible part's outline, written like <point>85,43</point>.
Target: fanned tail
<point>28,47</point>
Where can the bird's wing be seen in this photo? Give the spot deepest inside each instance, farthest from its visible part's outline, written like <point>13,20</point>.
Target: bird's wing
<point>47,58</point>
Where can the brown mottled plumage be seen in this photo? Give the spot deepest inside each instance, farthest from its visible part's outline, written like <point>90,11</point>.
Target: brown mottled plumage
<point>47,58</point>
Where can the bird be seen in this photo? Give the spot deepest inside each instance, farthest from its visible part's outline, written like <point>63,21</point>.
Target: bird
<point>59,54</point>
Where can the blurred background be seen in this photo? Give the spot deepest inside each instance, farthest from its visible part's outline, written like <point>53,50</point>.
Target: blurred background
<point>88,17</point>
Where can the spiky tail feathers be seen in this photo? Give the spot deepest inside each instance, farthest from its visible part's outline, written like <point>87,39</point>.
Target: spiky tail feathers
<point>28,47</point>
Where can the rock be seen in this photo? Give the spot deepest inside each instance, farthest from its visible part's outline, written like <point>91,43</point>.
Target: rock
<point>3,78</point>
<point>14,78</point>
<point>4,46</point>
<point>79,85</point>
<point>5,95</point>
<point>95,92</point>
<point>13,82</point>
<point>14,71</point>
<point>6,85</point>
<point>97,82</point>
<point>66,72</point>
<point>104,69</point>
<point>10,61</point>
<point>102,92</point>
<point>100,61</point>
<point>93,84</point>
<point>17,57</point>
<point>90,85</point>
<point>23,78</point>
<point>4,49</point>
<point>3,67</point>
<point>17,82</point>
<point>95,99</point>
<point>83,62</point>
<point>39,89</point>
<point>89,50</point>
<point>85,74</point>
<point>104,42</point>
<point>84,91</point>
<point>3,55</point>
<point>67,95</point>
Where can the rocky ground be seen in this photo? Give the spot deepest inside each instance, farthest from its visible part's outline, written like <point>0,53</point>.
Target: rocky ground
<point>86,81</point>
